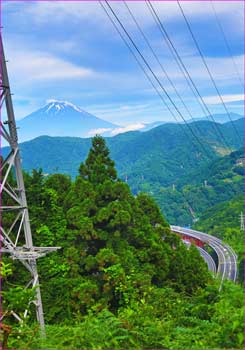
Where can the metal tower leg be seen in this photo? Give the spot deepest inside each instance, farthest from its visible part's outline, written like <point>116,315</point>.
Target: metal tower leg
<point>19,231</point>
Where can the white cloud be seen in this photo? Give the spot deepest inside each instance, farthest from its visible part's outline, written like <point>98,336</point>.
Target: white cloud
<point>31,65</point>
<point>127,128</point>
<point>129,114</point>
<point>99,131</point>
<point>28,66</point>
<point>116,131</point>
<point>220,67</point>
<point>42,12</point>
<point>85,9</point>
<point>213,100</point>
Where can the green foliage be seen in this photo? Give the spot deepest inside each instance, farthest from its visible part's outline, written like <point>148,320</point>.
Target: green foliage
<point>121,278</point>
<point>190,193</point>
<point>223,221</point>
<point>5,269</point>
<point>98,166</point>
<point>162,319</point>
<point>13,296</point>
<point>155,162</point>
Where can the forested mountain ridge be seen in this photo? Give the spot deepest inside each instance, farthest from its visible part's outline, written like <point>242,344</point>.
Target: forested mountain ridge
<point>213,183</point>
<point>161,162</point>
<point>62,118</point>
<point>226,167</point>
<point>121,279</point>
<point>160,155</point>
<point>225,220</point>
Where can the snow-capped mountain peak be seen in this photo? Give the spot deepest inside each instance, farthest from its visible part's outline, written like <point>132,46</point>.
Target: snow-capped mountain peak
<point>62,118</point>
<point>56,106</point>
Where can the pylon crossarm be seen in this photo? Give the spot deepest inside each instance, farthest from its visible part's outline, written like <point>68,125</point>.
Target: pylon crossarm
<point>23,253</point>
<point>11,208</point>
<point>35,253</point>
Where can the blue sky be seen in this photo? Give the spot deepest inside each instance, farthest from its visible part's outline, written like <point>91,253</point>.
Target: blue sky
<point>70,51</point>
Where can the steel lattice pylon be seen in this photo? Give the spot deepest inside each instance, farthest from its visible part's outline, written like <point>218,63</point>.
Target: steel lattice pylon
<point>16,238</point>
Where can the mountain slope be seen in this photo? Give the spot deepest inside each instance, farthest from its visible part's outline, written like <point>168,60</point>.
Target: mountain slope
<point>60,118</point>
<point>224,221</point>
<point>162,162</point>
<point>213,183</point>
<point>160,155</point>
<point>165,153</point>
<point>218,118</point>
<point>221,118</point>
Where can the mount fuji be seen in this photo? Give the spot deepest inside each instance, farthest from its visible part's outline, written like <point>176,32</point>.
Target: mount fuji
<point>61,118</point>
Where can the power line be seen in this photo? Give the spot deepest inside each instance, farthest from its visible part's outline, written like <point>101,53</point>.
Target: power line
<point>141,66</point>
<point>154,75</point>
<point>226,42</point>
<point>185,73</point>
<point>129,47</point>
<point>147,76</point>
<point>208,70</point>
<point>182,67</point>
<point>160,64</point>
<point>137,60</point>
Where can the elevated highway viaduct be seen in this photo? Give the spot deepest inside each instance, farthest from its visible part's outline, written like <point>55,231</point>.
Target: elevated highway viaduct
<point>227,260</point>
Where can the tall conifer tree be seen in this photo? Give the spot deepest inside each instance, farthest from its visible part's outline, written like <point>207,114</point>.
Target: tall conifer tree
<point>98,166</point>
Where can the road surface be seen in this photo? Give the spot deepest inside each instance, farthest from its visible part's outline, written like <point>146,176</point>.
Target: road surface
<point>227,259</point>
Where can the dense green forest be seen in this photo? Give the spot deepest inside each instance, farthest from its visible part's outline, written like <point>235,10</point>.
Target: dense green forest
<point>215,182</point>
<point>121,278</point>
<point>164,162</point>
<point>160,155</point>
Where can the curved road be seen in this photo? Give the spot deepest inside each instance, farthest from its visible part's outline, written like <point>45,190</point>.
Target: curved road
<point>209,260</point>
<point>227,259</point>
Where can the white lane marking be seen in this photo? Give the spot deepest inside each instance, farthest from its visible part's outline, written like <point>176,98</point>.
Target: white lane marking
<point>216,244</point>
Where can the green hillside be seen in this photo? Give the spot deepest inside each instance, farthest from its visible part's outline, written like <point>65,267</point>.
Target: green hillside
<point>159,155</point>
<point>163,162</point>
<point>215,182</point>
<point>224,221</point>
<point>121,279</point>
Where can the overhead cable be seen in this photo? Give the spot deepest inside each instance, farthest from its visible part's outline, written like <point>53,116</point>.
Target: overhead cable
<point>160,64</point>
<point>182,66</point>
<point>147,76</point>
<point>226,43</point>
<point>208,70</point>
<point>152,72</point>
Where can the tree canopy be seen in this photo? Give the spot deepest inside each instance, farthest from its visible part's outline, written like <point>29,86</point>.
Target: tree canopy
<point>121,277</point>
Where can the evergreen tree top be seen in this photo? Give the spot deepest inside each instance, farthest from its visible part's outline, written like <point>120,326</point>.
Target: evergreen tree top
<point>98,166</point>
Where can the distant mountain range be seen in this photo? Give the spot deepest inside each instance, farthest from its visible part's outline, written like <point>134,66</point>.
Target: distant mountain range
<point>166,162</point>
<point>195,195</point>
<point>61,118</point>
<point>217,118</point>
<point>221,118</point>
<point>160,155</point>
